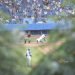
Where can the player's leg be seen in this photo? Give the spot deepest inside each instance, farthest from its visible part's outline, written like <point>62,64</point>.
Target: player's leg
<point>29,61</point>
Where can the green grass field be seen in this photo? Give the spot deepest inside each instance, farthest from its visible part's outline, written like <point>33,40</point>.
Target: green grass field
<point>37,55</point>
<point>42,59</point>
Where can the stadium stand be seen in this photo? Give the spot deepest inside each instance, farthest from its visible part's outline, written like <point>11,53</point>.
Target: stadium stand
<point>21,9</point>
<point>39,9</point>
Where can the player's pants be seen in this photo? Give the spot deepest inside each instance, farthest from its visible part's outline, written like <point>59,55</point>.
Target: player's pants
<point>28,60</point>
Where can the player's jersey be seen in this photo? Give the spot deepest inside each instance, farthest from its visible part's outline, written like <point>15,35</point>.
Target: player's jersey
<point>28,53</point>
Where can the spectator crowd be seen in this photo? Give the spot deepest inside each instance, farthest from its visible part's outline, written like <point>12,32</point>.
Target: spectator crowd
<point>38,10</point>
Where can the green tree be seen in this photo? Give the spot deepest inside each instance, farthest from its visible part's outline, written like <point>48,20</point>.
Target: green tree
<point>12,60</point>
<point>4,17</point>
